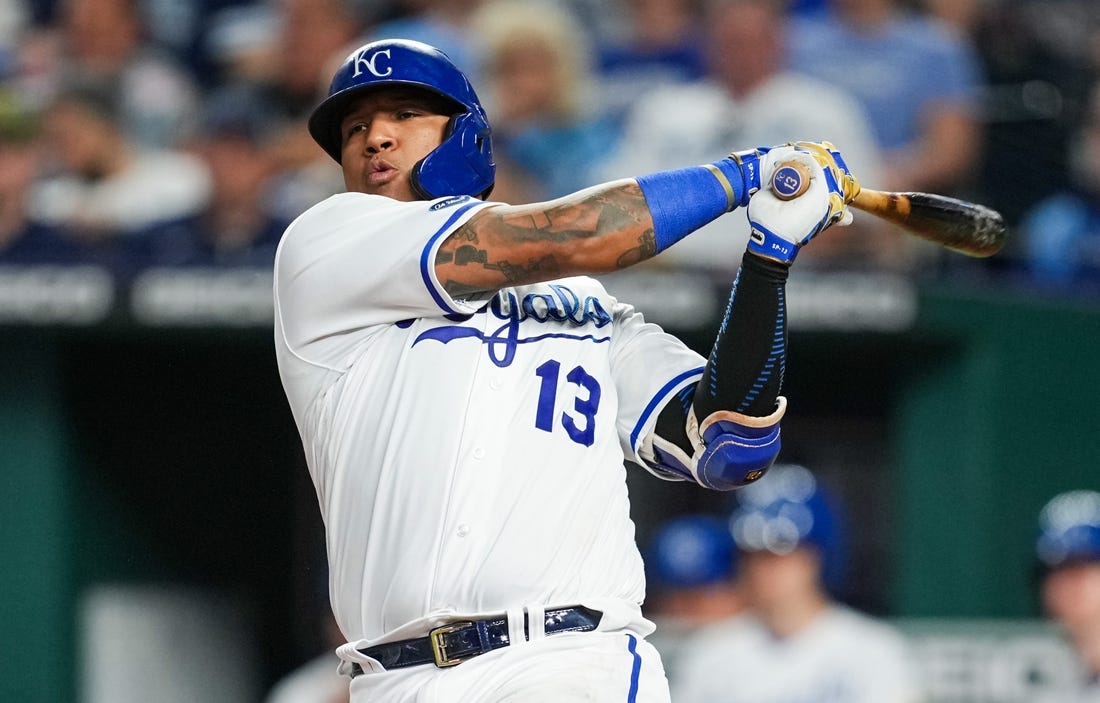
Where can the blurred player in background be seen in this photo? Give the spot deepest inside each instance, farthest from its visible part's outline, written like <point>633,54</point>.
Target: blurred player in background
<point>793,642</point>
<point>689,564</point>
<point>1068,549</point>
<point>466,395</point>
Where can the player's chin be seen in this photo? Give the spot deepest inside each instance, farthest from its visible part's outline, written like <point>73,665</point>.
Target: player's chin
<point>396,188</point>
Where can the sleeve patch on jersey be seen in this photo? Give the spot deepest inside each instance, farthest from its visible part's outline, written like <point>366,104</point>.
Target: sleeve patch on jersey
<point>448,202</point>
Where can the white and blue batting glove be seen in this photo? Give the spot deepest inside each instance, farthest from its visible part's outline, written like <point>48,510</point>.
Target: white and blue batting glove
<point>779,228</point>
<point>757,166</point>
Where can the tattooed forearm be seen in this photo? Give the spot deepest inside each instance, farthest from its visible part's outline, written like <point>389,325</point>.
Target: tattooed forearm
<point>600,229</point>
<point>589,213</point>
<point>646,249</point>
<point>510,274</point>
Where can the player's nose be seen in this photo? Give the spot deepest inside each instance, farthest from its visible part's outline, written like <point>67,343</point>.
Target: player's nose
<point>380,137</point>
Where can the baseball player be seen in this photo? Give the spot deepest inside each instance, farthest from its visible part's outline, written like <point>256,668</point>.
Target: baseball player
<point>689,567</point>
<point>466,395</point>
<point>793,643</point>
<point>1068,549</point>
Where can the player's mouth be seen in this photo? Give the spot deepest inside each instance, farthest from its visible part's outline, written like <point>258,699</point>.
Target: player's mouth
<point>381,172</point>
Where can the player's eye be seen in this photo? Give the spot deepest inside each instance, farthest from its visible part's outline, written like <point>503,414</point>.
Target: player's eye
<point>356,127</point>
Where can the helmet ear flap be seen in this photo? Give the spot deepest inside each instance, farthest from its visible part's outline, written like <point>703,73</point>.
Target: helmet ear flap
<point>462,164</point>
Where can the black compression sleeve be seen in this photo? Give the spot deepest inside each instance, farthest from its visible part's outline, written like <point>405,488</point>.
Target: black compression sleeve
<point>745,370</point>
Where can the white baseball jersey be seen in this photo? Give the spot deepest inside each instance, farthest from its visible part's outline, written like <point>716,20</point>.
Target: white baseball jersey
<point>467,455</point>
<point>842,657</point>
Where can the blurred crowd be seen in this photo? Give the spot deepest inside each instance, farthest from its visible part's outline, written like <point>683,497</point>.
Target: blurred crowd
<point>137,133</point>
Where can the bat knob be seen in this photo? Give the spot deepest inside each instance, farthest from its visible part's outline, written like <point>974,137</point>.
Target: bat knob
<point>790,180</point>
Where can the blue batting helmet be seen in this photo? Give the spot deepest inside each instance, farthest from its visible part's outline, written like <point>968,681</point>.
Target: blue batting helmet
<point>1069,529</point>
<point>463,163</point>
<point>784,510</point>
<point>689,551</point>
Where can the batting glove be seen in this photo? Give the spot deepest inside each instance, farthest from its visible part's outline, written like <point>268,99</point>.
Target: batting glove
<point>828,156</point>
<point>781,227</point>
<point>757,166</point>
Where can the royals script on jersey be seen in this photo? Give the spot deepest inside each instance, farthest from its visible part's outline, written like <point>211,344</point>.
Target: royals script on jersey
<point>467,456</point>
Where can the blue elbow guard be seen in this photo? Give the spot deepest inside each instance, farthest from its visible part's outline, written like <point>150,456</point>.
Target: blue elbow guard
<point>735,455</point>
<point>737,449</point>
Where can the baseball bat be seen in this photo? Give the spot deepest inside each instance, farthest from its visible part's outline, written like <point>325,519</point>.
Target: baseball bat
<point>959,225</point>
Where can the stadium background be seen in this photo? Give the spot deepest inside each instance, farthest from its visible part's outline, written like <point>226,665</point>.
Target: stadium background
<point>154,491</point>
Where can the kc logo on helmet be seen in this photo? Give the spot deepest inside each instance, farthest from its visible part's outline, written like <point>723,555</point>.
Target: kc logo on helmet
<point>371,63</point>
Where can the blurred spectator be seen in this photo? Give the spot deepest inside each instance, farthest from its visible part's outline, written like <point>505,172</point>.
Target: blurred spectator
<point>808,7</point>
<point>440,23</point>
<point>964,16</point>
<point>106,188</point>
<point>23,241</point>
<point>241,44</point>
<point>917,79</point>
<point>237,227</point>
<point>176,24</point>
<point>660,42</point>
<point>538,88</point>
<point>690,566</point>
<point>315,35</point>
<point>748,98</point>
<point>104,43</point>
<point>1069,27</point>
<point>13,21</point>
<point>603,20</point>
<point>1068,549</point>
<point>1038,79</point>
<point>1059,240</point>
<point>793,642</point>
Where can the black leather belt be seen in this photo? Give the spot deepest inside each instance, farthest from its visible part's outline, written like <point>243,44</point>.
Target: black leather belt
<point>456,642</point>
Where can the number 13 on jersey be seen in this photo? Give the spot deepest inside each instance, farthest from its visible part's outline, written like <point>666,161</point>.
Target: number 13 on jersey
<point>580,426</point>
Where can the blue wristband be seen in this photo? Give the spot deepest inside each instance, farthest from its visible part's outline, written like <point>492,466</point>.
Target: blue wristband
<point>684,200</point>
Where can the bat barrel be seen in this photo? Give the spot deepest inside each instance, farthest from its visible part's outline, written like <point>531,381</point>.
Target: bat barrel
<point>965,227</point>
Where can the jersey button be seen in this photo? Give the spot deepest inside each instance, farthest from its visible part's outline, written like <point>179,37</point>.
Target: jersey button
<point>495,383</point>
<point>479,452</point>
<point>462,530</point>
